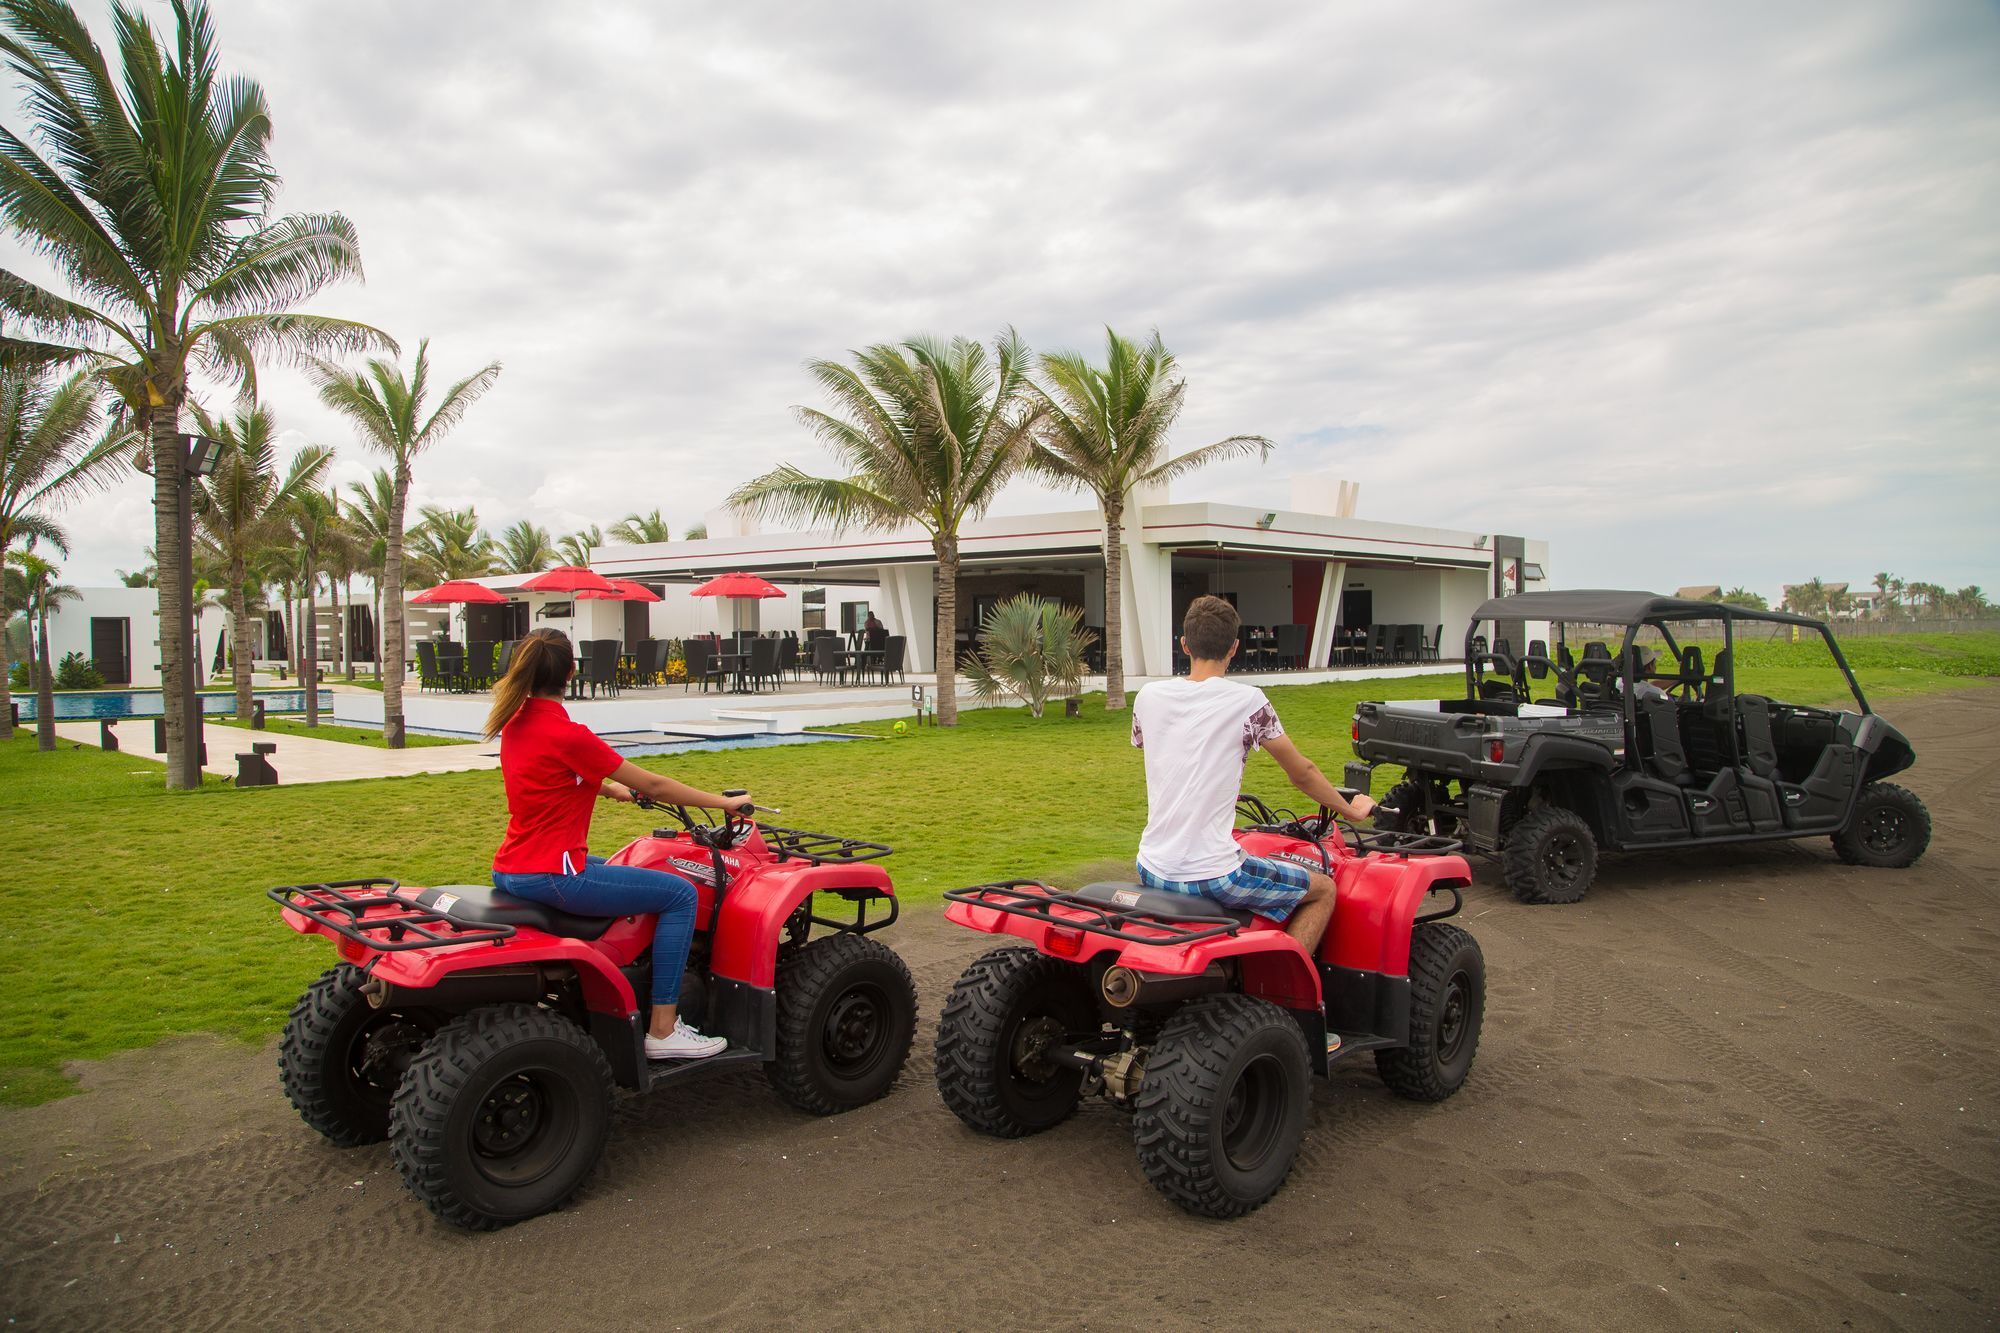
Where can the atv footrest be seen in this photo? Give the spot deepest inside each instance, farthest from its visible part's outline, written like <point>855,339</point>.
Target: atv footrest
<point>371,913</point>
<point>1038,902</point>
<point>670,1071</point>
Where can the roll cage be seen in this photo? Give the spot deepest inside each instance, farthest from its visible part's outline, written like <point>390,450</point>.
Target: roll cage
<point>1637,611</point>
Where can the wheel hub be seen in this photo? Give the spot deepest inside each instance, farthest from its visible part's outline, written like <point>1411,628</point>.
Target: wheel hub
<point>1031,1044</point>
<point>509,1117</point>
<point>1253,1113</point>
<point>1452,1017</point>
<point>854,1028</point>
<point>1882,830</point>
<point>1560,859</point>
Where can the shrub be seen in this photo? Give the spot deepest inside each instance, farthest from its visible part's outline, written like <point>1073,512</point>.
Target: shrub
<point>1031,649</point>
<point>77,672</point>
<point>18,679</point>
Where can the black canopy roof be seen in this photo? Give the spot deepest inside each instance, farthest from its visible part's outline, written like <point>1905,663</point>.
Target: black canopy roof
<point>1609,606</point>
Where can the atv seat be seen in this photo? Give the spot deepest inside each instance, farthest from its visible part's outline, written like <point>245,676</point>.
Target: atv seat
<point>484,905</point>
<point>1129,897</point>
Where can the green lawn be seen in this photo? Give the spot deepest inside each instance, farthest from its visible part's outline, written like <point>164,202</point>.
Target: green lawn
<point>128,914</point>
<point>327,731</point>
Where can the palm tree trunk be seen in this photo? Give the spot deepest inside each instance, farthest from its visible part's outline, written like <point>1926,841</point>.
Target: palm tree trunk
<point>375,630</point>
<point>45,693</point>
<point>392,606</point>
<point>1114,602</point>
<point>946,549</point>
<point>309,651</point>
<point>339,627</point>
<point>239,637</point>
<point>346,646</point>
<point>169,494</point>
<point>6,682</point>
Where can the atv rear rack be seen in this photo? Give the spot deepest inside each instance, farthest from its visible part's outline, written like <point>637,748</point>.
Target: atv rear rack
<point>372,914</point>
<point>821,848</point>
<point>1037,902</point>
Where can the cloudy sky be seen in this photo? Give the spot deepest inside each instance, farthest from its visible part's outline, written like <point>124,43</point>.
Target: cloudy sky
<point>1702,293</point>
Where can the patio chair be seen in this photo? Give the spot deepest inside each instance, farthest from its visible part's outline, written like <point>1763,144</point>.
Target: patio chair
<point>653,664</point>
<point>506,658</point>
<point>763,663</point>
<point>1378,644</point>
<point>893,654</point>
<point>601,665</point>
<point>1408,640</point>
<point>1291,646</point>
<point>479,663</point>
<point>826,660</point>
<point>788,655</point>
<point>1435,646</point>
<point>699,654</point>
<point>429,675</point>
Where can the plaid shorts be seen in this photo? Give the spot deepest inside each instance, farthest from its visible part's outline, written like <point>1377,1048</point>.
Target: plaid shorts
<point>1268,888</point>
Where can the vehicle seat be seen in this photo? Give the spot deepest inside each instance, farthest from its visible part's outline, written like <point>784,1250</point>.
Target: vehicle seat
<point>1667,756</point>
<point>1126,896</point>
<point>484,905</point>
<point>1594,672</point>
<point>1504,681</point>
<point>1565,676</point>
<point>1692,675</point>
<point>1760,752</point>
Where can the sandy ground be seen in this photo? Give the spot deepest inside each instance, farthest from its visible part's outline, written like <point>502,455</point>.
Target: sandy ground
<point>1742,1089</point>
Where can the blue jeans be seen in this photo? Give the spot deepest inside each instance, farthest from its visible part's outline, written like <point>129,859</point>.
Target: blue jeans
<point>607,890</point>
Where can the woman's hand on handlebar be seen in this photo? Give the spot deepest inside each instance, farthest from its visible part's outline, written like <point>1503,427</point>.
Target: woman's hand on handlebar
<point>616,791</point>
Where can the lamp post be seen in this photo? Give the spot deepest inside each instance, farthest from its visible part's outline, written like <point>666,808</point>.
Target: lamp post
<point>199,455</point>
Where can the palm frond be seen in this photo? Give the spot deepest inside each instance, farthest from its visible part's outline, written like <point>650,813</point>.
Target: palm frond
<point>789,495</point>
<point>282,264</point>
<point>1236,446</point>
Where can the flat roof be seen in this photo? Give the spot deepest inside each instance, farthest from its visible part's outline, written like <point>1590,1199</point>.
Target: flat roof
<point>1008,539</point>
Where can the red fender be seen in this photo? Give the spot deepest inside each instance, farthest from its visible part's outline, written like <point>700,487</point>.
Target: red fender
<point>1377,908</point>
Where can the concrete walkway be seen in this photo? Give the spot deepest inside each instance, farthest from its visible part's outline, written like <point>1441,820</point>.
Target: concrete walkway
<point>298,758</point>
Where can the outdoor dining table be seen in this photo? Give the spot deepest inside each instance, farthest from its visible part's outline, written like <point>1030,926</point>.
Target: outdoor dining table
<point>735,665</point>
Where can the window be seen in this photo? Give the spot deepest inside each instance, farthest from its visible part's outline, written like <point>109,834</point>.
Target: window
<point>851,616</point>
<point>812,608</point>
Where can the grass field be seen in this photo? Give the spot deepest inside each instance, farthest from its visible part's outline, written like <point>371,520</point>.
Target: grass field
<point>128,914</point>
<point>327,731</point>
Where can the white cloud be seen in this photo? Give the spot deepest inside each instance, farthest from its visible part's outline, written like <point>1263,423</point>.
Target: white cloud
<point>1702,293</point>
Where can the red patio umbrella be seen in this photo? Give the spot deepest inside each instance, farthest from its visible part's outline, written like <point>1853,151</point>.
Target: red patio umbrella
<point>738,585</point>
<point>622,590</point>
<point>458,590</point>
<point>567,578</point>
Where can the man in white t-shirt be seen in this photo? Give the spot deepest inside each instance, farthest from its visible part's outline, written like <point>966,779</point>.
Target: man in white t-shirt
<point>1197,731</point>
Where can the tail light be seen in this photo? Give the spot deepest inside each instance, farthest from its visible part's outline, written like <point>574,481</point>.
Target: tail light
<point>1063,942</point>
<point>1354,730</point>
<point>1496,750</point>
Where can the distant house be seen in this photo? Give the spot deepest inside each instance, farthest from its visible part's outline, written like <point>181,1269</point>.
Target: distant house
<point>1701,592</point>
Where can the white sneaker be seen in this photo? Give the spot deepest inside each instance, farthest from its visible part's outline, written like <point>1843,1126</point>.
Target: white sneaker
<point>684,1044</point>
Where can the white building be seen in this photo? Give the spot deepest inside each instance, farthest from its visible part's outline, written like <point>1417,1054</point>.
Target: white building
<point>1313,565</point>
<point>119,630</point>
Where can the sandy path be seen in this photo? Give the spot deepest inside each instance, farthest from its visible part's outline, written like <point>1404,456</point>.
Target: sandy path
<point>1742,1089</point>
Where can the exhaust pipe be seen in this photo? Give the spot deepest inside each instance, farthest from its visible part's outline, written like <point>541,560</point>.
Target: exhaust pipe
<point>460,989</point>
<point>1124,987</point>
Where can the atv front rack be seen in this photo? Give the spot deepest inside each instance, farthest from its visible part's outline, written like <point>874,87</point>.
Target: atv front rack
<point>1389,843</point>
<point>821,848</point>
<point>372,914</point>
<point>1038,902</point>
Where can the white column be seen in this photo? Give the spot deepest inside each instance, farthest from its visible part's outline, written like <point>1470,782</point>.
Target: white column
<point>1332,581</point>
<point>909,596</point>
<point>1148,607</point>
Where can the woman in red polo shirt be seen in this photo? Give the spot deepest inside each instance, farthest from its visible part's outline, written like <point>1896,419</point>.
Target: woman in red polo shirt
<point>554,768</point>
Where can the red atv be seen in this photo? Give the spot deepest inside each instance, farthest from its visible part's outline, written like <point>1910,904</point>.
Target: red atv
<point>482,1034</point>
<point>1205,1022</point>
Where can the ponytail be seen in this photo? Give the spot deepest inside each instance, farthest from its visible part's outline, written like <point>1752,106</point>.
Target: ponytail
<point>541,665</point>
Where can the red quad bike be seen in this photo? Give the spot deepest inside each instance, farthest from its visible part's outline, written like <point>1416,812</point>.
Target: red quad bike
<point>1206,1022</point>
<point>482,1034</point>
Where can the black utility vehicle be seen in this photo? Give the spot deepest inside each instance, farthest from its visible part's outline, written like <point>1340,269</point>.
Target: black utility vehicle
<point>1643,747</point>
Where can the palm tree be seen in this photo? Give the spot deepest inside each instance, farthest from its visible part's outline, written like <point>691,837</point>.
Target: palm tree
<point>929,432</point>
<point>638,529</point>
<point>1104,430</point>
<point>1032,648</point>
<point>1743,597</point>
<point>447,544</point>
<point>575,549</point>
<point>148,577</point>
<point>154,204</point>
<point>50,454</point>
<point>388,410</point>
<point>368,513</point>
<point>42,594</point>
<point>319,537</point>
<point>695,532</point>
<point>525,548</point>
<point>243,510</point>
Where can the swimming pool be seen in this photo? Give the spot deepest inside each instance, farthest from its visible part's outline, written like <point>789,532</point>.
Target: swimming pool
<point>149,703</point>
